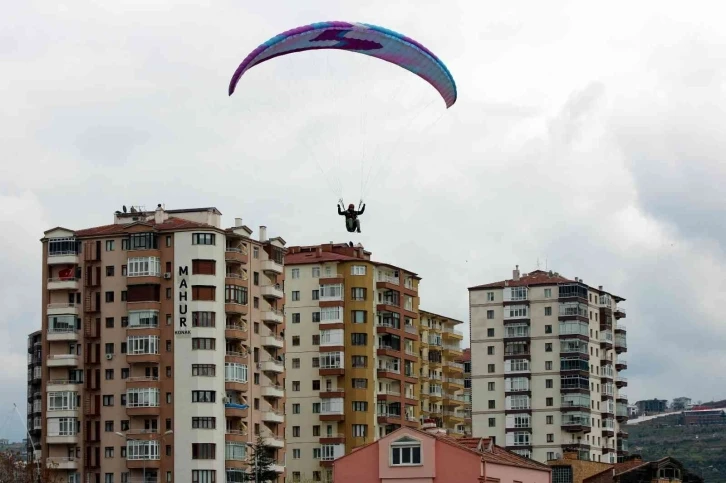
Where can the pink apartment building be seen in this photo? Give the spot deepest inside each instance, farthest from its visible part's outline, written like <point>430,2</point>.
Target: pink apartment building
<point>416,456</point>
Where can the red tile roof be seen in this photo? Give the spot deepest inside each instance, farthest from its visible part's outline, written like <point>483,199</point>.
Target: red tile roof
<point>312,257</point>
<point>538,277</point>
<point>466,357</point>
<point>171,224</point>
<point>626,466</point>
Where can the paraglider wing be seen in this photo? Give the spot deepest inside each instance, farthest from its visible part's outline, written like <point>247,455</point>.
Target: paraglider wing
<point>356,37</point>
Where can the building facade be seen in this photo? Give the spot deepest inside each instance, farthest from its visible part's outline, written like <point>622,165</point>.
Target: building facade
<point>162,354</point>
<point>443,401</point>
<point>35,396</point>
<point>352,349</point>
<point>466,360</point>
<point>546,367</point>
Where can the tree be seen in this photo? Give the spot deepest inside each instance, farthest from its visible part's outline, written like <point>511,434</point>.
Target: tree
<point>261,461</point>
<point>14,469</point>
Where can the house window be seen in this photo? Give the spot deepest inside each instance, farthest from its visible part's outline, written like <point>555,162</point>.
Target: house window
<point>490,296</point>
<point>405,452</point>
<point>358,270</point>
<point>548,329</point>
<point>548,293</point>
<point>490,314</point>
<point>548,311</point>
<point>295,273</point>
<point>490,350</point>
<point>296,295</point>
<point>202,238</point>
<point>490,332</point>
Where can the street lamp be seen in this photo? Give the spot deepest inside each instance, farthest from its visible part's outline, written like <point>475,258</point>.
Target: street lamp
<point>124,435</point>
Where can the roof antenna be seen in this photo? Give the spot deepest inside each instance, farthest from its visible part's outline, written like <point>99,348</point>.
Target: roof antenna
<point>537,263</point>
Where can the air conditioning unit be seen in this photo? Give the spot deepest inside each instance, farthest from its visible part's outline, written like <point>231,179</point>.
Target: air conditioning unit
<point>109,356</point>
<point>167,275</point>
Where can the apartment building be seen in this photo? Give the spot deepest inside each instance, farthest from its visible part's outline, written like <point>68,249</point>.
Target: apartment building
<point>466,360</point>
<point>161,348</point>
<point>352,354</point>
<point>546,367</point>
<point>35,395</point>
<point>443,401</point>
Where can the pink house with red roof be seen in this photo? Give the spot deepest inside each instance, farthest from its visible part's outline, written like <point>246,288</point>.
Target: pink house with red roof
<point>410,455</point>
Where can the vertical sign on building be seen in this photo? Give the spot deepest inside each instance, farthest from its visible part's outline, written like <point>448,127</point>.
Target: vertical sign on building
<point>182,325</point>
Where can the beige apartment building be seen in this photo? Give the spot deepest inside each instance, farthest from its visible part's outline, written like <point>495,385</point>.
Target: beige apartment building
<point>161,348</point>
<point>546,367</point>
<point>443,399</point>
<point>352,357</point>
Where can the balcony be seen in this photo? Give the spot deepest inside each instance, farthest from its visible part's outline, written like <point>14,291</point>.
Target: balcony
<point>64,333</point>
<point>68,257</point>
<point>271,266</point>
<point>621,364</point>
<point>621,381</point>
<point>236,410</point>
<point>606,338</point>
<point>63,438</point>
<point>274,441</point>
<point>236,255</point>
<point>272,291</point>
<point>234,307</point>
<point>60,385</point>
<point>576,422</point>
<point>621,344</point>
<point>273,366</point>
<point>62,360</point>
<point>272,316</point>
<point>453,333</point>
<point>273,391</point>
<point>235,331</point>
<point>277,467</point>
<point>61,463</point>
<point>63,283</point>
<point>274,341</point>
<point>63,309</point>
<point>273,417</point>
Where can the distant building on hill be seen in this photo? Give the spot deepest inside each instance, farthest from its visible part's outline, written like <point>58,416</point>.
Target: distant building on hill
<point>651,406</point>
<point>703,417</point>
<point>570,469</point>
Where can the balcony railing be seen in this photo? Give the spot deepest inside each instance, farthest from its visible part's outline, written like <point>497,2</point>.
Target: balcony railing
<point>410,329</point>
<point>457,365</point>
<point>242,250</point>
<point>450,330</point>
<point>389,279</point>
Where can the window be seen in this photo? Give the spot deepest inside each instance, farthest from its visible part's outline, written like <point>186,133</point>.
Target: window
<point>141,319</point>
<point>316,316</point>
<point>296,431</point>
<point>548,293</point>
<point>143,267</point>
<point>204,267</point>
<point>490,350</point>
<point>204,476</point>
<point>316,339</point>
<point>548,329</point>
<point>490,296</point>
<point>204,423</point>
<point>58,401</point>
<point>490,386</point>
<point>204,396</point>
<point>550,438</point>
<point>359,383</point>
<point>296,408</point>
<point>109,271</point>
<point>205,370</point>
<point>549,401</point>
<point>235,295</point>
<point>548,365</point>
<point>359,316</point>
<point>548,346</point>
<point>144,344</point>
<point>109,297</point>
<point>315,362</point>
<point>296,454</point>
<point>296,318</point>
<point>550,419</point>
<point>295,295</point>
<point>358,293</point>
<point>490,368</point>
<point>490,314</point>
<point>549,384</point>
<point>492,422</point>
<point>295,272</point>
<point>203,238</point>
<point>360,430</point>
<point>548,311</point>
<point>109,245</point>
<point>360,406</point>
<point>358,270</point>
<point>203,319</point>
<point>142,397</point>
<point>295,386</point>
<point>490,332</point>
<point>405,452</point>
<point>296,363</point>
<point>204,451</point>
<point>203,343</point>
<point>359,361</point>
<point>203,292</point>
<point>295,340</point>
<point>316,295</point>
<point>316,385</point>
<point>359,339</point>
<point>492,404</point>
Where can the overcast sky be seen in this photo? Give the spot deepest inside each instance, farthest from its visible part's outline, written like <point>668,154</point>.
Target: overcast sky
<point>586,135</point>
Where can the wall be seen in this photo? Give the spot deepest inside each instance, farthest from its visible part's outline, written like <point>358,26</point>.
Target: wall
<point>184,356</point>
<point>510,474</point>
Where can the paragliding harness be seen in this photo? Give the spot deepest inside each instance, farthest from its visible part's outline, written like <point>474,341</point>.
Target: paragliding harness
<point>352,223</point>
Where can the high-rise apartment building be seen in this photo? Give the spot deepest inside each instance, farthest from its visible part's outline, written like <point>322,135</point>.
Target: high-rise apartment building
<point>162,348</point>
<point>546,366</point>
<point>35,395</point>
<point>352,354</point>
<point>442,374</point>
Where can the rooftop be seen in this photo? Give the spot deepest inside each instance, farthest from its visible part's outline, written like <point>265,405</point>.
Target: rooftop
<point>170,224</point>
<point>538,278</point>
<point>443,318</point>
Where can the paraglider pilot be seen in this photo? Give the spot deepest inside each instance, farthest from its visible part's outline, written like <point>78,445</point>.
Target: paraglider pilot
<point>352,223</point>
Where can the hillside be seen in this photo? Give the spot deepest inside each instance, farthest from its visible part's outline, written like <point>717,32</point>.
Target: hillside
<point>702,449</point>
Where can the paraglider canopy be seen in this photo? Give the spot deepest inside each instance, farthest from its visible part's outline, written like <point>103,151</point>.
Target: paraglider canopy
<point>362,38</point>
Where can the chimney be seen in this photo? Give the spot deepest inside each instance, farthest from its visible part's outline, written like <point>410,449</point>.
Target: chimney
<point>318,252</point>
<point>515,273</point>
<point>159,215</point>
<point>237,222</point>
<point>263,233</point>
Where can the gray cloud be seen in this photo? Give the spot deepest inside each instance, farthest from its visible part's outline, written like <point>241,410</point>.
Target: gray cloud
<point>582,136</point>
